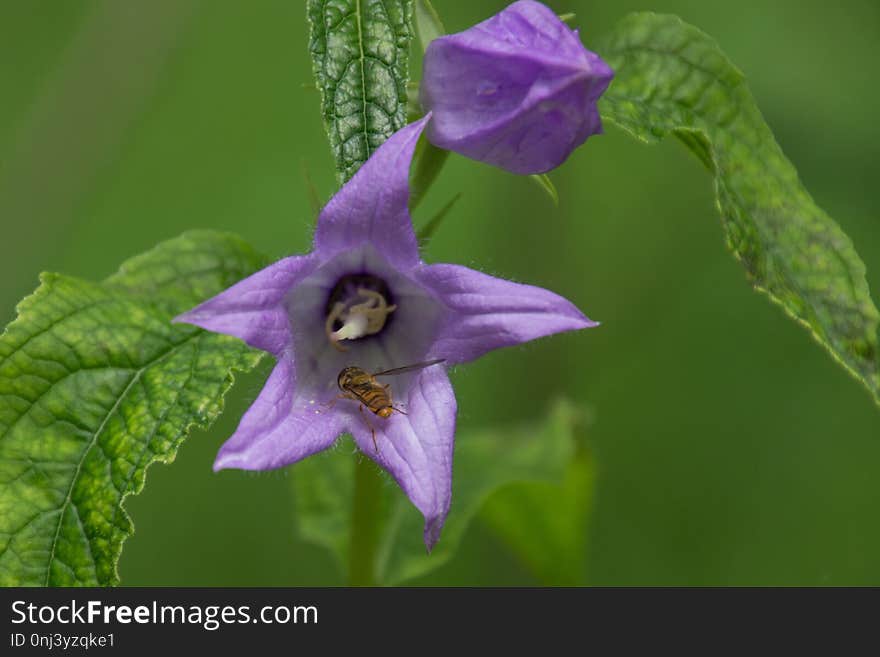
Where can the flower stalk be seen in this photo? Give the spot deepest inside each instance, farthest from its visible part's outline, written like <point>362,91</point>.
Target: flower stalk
<point>366,500</point>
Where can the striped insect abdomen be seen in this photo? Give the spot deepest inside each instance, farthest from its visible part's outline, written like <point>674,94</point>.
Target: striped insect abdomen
<point>373,396</point>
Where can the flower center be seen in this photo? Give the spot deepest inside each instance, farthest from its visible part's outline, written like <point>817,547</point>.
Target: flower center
<point>358,306</point>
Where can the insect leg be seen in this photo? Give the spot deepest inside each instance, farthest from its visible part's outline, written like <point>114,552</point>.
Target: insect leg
<point>372,430</point>
<point>391,400</point>
<point>330,404</point>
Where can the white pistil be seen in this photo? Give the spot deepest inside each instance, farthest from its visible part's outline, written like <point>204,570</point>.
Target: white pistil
<point>352,328</point>
<point>358,320</point>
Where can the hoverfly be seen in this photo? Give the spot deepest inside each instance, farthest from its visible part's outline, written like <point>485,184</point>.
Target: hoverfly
<point>361,386</point>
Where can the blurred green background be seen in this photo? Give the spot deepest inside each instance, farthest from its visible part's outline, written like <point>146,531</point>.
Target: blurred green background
<point>729,448</point>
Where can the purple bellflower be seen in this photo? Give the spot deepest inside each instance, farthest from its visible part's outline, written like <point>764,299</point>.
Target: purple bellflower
<point>364,298</point>
<point>518,90</point>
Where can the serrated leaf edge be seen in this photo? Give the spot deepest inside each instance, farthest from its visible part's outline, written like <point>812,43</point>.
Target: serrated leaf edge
<point>247,362</point>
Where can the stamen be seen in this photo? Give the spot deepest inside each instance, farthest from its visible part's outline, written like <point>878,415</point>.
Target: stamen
<point>358,320</point>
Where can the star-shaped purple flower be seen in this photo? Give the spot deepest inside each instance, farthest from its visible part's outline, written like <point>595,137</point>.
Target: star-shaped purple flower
<point>363,297</point>
<point>518,90</point>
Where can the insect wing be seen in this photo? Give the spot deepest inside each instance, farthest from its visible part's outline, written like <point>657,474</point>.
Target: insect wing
<point>409,368</point>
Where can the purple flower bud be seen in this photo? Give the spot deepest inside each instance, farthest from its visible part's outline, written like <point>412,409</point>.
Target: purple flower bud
<point>518,90</point>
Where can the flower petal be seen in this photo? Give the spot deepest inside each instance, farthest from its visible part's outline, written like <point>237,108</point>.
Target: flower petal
<point>524,28</point>
<point>518,90</point>
<point>252,309</point>
<point>372,206</point>
<point>416,448</point>
<point>279,429</point>
<point>487,313</point>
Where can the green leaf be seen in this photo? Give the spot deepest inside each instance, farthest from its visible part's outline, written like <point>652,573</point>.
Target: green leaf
<point>428,230</point>
<point>485,461</point>
<point>315,203</point>
<point>543,181</point>
<point>360,53</point>
<point>323,485</point>
<point>672,78</point>
<point>428,23</point>
<point>96,384</point>
<point>413,105</point>
<point>429,162</point>
<point>545,524</point>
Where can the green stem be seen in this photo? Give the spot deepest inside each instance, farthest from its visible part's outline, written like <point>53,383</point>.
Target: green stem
<point>364,524</point>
